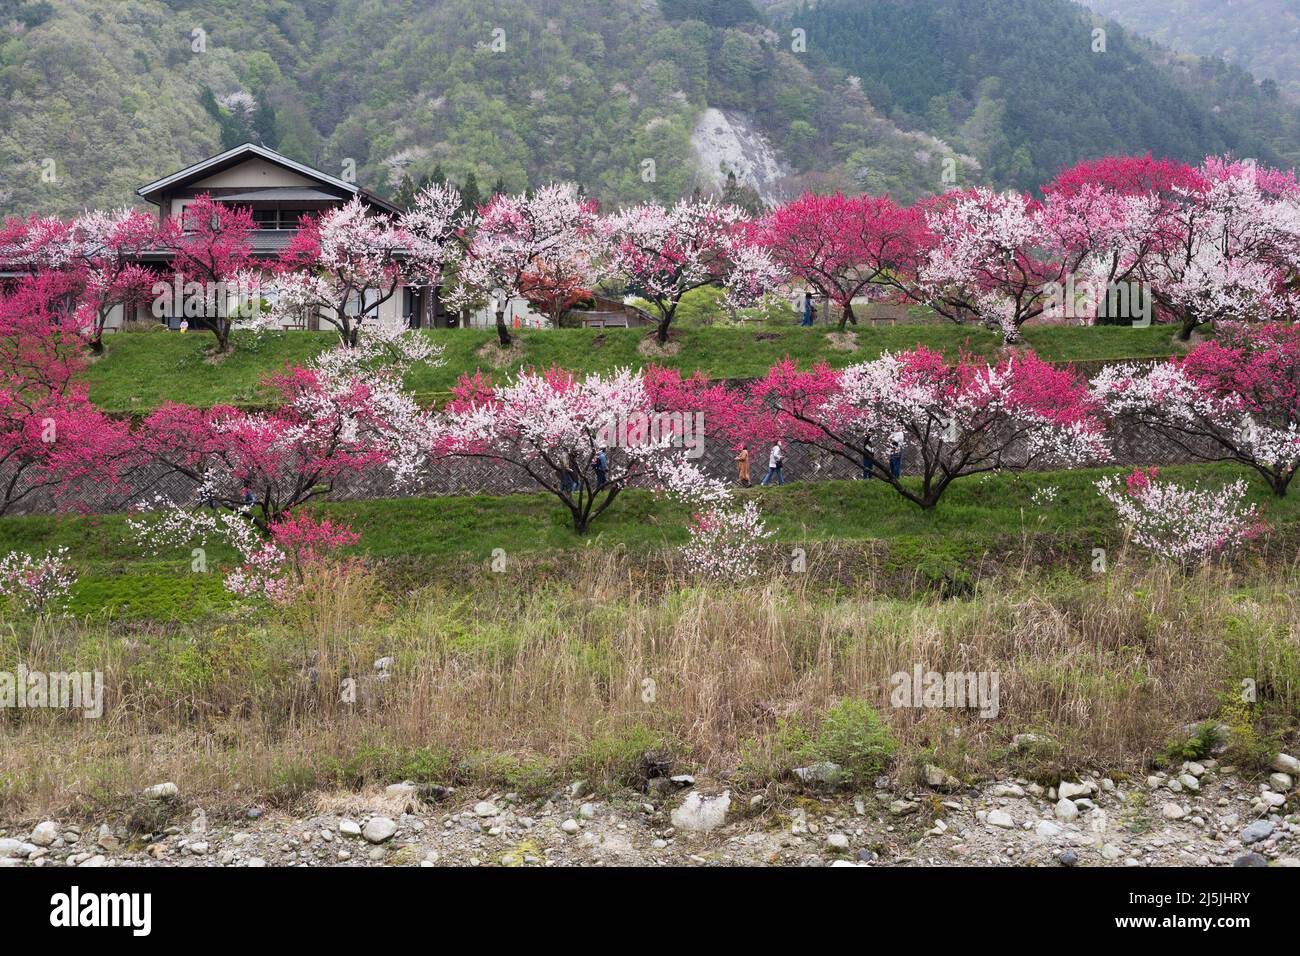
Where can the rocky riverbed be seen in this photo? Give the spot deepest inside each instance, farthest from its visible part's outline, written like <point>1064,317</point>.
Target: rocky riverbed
<point>1201,813</point>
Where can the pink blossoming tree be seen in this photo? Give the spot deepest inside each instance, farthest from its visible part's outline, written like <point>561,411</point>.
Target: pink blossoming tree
<point>661,254</point>
<point>343,414</point>
<point>1234,399</point>
<point>844,247</point>
<point>956,420</point>
<point>52,439</point>
<point>210,244</point>
<point>520,240</point>
<point>551,426</point>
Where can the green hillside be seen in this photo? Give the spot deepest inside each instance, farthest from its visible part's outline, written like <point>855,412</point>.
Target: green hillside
<point>98,98</point>
<point>142,369</point>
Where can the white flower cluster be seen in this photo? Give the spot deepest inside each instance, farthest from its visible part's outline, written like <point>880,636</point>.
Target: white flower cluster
<point>1185,524</point>
<point>723,537</point>
<point>37,583</point>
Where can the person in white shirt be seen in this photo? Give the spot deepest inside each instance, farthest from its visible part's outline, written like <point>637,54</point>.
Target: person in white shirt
<point>774,461</point>
<point>896,441</point>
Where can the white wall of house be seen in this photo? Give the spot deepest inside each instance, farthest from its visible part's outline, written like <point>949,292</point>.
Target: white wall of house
<point>486,317</point>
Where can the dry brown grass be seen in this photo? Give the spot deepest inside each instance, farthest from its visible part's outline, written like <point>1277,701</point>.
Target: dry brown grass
<point>500,683</point>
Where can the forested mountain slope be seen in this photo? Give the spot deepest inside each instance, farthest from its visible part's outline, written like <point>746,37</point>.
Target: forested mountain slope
<point>97,98</point>
<point>1262,36</point>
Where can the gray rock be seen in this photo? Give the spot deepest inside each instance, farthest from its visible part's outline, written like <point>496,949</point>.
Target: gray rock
<point>1172,811</point>
<point>837,841</point>
<point>939,779</point>
<point>14,849</point>
<point>1069,791</point>
<point>44,834</point>
<point>1001,819</point>
<point>571,826</point>
<point>1250,859</point>
<point>1047,829</point>
<point>485,808</point>
<point>350,828</point>
<point>1285,763</point>
<point>1280,781</point>
<point>379,829</point>
<point>1068,858</point>
<point>162,791</point>
<point>702,814</point>
<point>105,837</point>
<point>824,773</point>
<point>1259,830</point>
<point>1066,810</point>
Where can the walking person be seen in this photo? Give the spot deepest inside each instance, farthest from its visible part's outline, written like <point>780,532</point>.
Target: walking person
<point>601,464</point>
<point>809,310</point>
<point>742,466</point>
<point>575,476</point>
<point>896,440</point>
<point>774,460</point>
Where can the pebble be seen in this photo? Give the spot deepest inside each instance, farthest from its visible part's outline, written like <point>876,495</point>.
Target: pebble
<point>1172,811</point>
<point>350,828</point>
<point>571,826</point>
<point>837,841</point>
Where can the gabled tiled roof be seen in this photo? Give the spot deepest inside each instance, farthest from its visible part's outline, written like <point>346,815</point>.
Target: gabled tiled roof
<point>233,157</point>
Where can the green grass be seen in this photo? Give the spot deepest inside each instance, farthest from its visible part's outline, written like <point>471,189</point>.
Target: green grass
<point>975,514</point>
<point>141,370</point>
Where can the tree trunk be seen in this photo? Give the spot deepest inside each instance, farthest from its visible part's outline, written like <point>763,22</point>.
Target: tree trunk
<point>1189,326</point>
<point>661,334</point>
<point>503,333</point>
<point>847,316</point>
<point>97,344</point>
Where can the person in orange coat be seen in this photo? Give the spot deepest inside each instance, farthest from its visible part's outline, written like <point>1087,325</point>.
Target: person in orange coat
<point>742,466</point>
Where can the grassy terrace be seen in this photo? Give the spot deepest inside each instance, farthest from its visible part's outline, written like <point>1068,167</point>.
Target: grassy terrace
<point>975,516</point>
<point>140,370</point>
